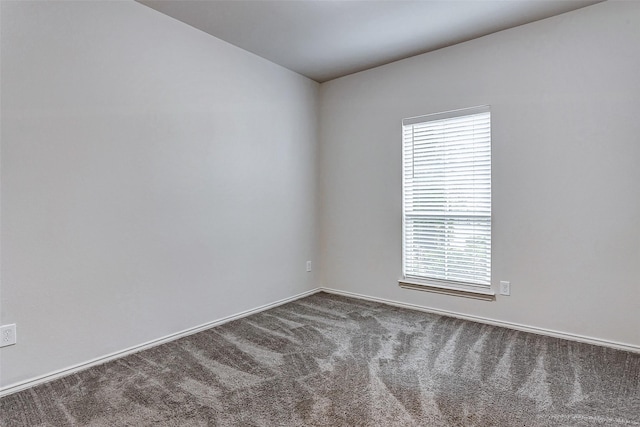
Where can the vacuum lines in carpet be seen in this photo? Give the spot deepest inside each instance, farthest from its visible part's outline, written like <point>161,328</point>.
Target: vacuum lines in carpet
<point>328,360</point>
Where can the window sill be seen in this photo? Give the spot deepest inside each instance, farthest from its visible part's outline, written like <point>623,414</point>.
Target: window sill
<point>481,294</point>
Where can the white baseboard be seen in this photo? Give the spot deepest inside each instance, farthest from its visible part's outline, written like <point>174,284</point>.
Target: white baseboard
<point>501,323</point>
<point>16,387</point>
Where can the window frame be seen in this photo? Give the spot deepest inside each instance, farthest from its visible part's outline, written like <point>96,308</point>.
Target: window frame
<point>433,284</point>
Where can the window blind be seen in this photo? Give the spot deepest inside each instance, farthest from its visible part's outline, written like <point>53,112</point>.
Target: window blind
<point>447,197</point>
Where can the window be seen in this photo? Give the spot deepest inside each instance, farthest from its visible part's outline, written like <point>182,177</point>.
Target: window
<point>447,200</point>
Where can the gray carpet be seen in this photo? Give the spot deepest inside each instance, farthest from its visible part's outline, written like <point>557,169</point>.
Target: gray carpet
<point>327,360</point>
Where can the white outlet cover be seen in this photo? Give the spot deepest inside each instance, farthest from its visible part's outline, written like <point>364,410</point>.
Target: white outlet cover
<point>7,335</point>
<point>505,288</point>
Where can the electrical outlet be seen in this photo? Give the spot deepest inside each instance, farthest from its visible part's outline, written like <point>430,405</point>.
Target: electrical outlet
<point>308,266</point>
<point>505,288</point>
<point>7,335</point>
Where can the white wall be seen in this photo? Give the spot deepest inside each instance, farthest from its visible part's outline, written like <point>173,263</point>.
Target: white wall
<point>565,96</point>
<point>154,178</point>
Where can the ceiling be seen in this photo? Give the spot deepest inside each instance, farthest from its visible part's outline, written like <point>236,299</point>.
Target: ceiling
<point>326,39</point>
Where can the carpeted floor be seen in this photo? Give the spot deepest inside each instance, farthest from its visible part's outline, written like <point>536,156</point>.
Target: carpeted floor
<point>327,360</point>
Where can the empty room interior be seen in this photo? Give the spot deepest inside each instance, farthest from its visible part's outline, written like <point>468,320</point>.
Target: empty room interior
<point>320,213</point>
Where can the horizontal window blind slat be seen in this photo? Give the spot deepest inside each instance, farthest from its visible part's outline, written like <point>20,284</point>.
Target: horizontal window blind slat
<point>443,265</point>
<point>452,264</point>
